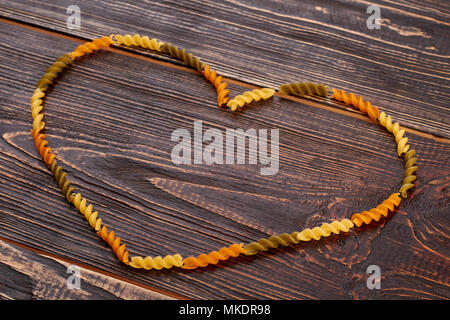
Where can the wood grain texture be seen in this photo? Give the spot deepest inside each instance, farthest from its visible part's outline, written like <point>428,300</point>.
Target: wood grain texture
<point>404,66</point>
<point>29,275</point>
<point>110,120</point>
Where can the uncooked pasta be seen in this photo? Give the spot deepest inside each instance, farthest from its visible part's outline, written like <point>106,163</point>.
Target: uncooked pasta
<point>41,145</point>
<point>410,169</point>
<point>81,204</point>
<point>358,102</point>
<point>138,40</point>
<point>181,54</point>
<point>114,242</point>
<point>304,89</point>
<point>264,244</point>
<point>249,96</point>
<point>156,263</point>
<point>61,178</point>
<point>325,230</point>
<point>221,86</point>
<point>239,101</point>
<point>397,131</point>
<point>213,257</point>
<point>92,46</point>
<point>53,71</point>
<point>383,209</point>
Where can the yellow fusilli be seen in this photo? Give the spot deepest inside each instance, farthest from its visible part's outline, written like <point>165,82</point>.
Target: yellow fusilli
<point>38,125</point>
<point>410,170</point>
<point>157,263</point>
<point>81,204</point>
<point>397,131</point>
<point>140,41</point>
<point>325,230</point>
<point>249,96</point>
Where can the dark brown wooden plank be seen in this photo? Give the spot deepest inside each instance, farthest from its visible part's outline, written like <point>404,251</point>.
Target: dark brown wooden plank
<point>403,67</point>
<point>110,120</point>
<point>29,275</point>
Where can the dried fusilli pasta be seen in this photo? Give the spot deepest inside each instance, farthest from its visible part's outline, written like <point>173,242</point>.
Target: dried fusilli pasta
<point>114,243</point>
<point>249,96</point>
<point>36,111</point>
<point>375,213</point>
<point>61,179</point>
<point>234,250</point>
<point>181,54</point>
<point>138,40</point>
<point>38,125</point>
<point>213,257</point>
<point>91,46</point>
<point>41,145</point>
<point>410,169</point>
<point>325,230</point>
<point>52,72</point>
<point>81,204</point>
<point>221,87</point>
<point>357,102</point>
<point>272,242</point>
<point>304,89</point>
<point>157,263</point>
<point>397,131</point>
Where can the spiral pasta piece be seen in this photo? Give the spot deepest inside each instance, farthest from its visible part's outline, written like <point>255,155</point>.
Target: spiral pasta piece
<point>138,40</point>
<point>92,46</point>
<point>325,230</point>
<point>213,257</point>
<point>249,96</point>
<point>157,263</point>
<point>39,125</point>
<point>53,71</point>
<point>61,178</point>
<point>36,107</point>
<point>114,243</point>
<point>221,87</point>
<point>181,54</point>
<point>358,102</point>
<point>410,170</point>
<point>304,89</point>
<point>81,204</point>
<point>264,244</point>
<point>397,131</point>
<point>382,209</point>
<point>41,145</point>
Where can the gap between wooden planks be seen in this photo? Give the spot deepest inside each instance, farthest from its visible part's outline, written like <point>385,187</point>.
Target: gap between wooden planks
<point>339,108</point>
<point>157,292</point>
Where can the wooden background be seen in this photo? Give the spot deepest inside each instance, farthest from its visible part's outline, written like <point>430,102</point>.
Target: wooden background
<point>110,119</point>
